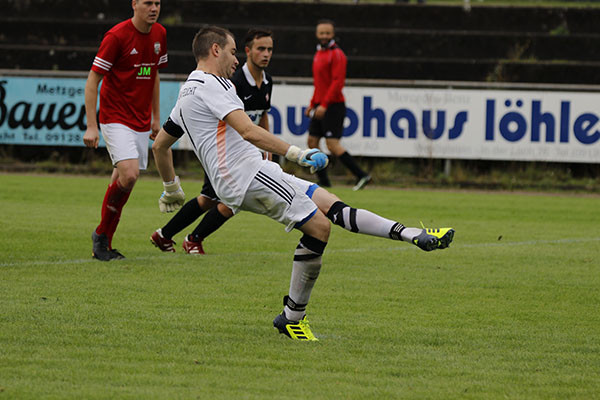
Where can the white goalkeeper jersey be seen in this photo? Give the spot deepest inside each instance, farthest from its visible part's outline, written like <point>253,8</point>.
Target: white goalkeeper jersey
<point>230,161</point>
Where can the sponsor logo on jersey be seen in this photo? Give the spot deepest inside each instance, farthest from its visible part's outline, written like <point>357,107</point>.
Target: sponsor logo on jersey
<point>145,71</point>
<point>133,52</point>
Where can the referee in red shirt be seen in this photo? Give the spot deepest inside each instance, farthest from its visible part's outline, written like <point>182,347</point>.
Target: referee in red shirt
<point>127,63</point>
<point>327,107</point>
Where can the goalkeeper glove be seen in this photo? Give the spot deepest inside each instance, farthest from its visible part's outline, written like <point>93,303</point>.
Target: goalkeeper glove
<point>172,197</point>
<point>313,158</point>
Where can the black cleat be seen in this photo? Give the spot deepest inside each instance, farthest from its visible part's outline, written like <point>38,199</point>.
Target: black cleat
<point>100,250</point>
<point>117,255</point>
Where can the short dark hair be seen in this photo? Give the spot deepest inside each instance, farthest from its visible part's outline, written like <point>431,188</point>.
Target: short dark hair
<point>256,33</point>
<point>205,38</point>
<point>326,21</point>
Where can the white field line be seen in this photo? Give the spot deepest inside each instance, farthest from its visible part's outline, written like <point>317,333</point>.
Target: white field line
<point>335,251</point>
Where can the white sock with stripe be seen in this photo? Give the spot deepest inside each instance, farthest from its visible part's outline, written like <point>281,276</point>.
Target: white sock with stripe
<point>305,271</point>
<point>368,223</point>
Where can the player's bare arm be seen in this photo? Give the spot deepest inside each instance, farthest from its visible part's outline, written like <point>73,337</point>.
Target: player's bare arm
<point>319,112</point>
<point>91,136</point>
<point>255,134</point>
<point>266,141</point>
<point>155,125</point>
<point>173,197</point>
<point>163,155</point>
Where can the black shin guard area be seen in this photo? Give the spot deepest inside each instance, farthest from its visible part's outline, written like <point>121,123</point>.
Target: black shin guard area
<point>336,215</point>
<point>313,244</point>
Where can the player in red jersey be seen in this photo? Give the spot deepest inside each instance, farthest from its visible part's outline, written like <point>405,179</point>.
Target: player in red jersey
<point>327,107</point>
<point>127,63</point>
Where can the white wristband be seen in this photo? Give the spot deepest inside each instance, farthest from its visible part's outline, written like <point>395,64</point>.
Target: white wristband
<point>172,186</point>
<point>293,153</point>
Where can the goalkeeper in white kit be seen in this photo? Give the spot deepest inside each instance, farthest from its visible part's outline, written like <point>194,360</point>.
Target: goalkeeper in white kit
<point>226,142</point>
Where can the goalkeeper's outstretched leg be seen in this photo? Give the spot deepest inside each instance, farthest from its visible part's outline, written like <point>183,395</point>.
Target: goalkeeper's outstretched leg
<point>338,212</point>
<point>364,221</point>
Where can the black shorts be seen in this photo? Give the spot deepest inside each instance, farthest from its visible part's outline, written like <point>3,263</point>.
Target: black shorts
<point>332,124</point>
<point>207,189</point>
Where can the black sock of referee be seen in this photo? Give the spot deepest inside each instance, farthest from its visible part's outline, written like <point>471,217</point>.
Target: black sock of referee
<point>212,221</point>
<point>349,162</point>
<point>184,217</point>
<point>323,178</point>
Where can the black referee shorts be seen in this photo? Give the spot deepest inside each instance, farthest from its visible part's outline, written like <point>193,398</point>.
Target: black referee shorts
<point>332,124</point>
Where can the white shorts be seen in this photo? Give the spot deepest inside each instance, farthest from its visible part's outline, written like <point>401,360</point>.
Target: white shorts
<point>123,143</point>
<point>280,196</point>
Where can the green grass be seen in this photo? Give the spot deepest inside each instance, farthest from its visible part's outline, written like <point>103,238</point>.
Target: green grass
<point>509,311</point>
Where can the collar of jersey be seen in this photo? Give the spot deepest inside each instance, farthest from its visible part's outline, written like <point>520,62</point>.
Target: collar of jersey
<point>249,76</point>
<point>195,73</point>
<point>329,45</point>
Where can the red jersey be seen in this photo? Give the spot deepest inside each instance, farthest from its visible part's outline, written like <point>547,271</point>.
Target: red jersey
<point>129,61</point>
<point>329,75</point>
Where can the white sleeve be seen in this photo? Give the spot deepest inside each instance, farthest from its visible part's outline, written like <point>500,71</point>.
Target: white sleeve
<point>220,96</point>
<point>175,114</point>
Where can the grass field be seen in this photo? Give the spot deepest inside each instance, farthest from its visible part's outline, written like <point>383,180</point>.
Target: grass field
<point>510,310</point>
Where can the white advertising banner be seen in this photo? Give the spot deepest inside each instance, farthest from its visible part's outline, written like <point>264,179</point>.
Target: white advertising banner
<point>524,125</point>
<point>454,123</point>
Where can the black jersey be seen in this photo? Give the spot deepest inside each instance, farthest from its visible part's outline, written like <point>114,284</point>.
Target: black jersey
<point>256,101</point>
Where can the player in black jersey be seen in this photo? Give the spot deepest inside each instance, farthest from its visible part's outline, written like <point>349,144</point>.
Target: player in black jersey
<point>253,86</point>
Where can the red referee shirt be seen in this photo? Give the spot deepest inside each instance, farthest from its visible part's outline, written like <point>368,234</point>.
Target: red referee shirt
<point>129,61</point>
<point>329,75</point>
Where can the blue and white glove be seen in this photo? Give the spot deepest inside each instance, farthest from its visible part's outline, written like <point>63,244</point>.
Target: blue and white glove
<point>172,198</point>
<point>313,158</point>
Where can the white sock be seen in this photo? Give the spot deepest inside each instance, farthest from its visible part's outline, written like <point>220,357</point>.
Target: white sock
<point>364,221</point>
<point>305,271</point>
<point>409,233</point>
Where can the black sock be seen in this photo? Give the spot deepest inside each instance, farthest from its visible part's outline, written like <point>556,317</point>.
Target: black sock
<point>184,217</point>
<point>349,162</point>
<point>323,178</point>
<point>210,223</point>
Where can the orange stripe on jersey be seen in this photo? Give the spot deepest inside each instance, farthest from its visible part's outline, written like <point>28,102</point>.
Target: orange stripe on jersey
<point>221,149</point>
<point>222,156</point>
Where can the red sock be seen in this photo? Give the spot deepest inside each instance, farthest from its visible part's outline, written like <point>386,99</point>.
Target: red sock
<point>114,200</point>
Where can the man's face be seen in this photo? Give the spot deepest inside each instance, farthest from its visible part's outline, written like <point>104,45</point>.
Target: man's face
<point>227,59</point>
<point>325,33</point>
<point>261,51</point>
<point>146,10</point>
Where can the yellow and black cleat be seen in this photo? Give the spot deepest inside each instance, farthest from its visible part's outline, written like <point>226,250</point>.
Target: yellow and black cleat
<point>434,238</point>
<point>297,330</point>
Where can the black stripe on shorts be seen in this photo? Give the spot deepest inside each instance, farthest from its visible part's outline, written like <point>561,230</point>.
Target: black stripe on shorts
<point>274,186</point>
